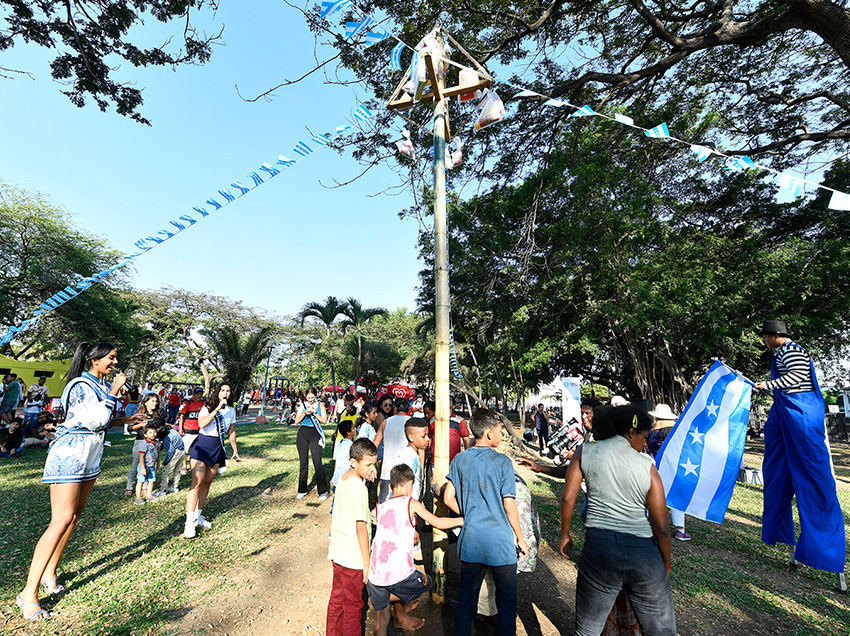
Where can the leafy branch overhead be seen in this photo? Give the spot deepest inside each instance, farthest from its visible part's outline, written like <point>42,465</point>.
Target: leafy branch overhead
<point>89,36</point>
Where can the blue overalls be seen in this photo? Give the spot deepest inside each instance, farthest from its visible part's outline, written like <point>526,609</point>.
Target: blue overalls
<point>797,461</point>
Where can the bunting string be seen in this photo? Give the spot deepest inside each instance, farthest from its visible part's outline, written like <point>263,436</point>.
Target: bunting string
<point>795,185</point>
<point>222,197</point>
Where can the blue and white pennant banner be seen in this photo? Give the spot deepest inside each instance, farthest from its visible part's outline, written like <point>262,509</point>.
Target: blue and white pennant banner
<point>183,222</point>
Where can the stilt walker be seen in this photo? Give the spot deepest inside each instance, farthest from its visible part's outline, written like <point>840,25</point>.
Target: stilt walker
<point>797,460</point>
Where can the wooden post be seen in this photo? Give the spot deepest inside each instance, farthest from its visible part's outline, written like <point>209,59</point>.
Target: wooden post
<point>441,273</point>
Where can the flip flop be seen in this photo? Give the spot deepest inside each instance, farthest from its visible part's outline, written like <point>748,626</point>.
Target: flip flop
<point>57,588</point>
<point>40,615</point>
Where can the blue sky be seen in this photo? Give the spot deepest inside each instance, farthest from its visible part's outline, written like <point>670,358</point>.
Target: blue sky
<point>289,241</point>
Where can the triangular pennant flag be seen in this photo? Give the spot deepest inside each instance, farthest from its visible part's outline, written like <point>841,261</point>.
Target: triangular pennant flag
<point>659,132</point>
<point>286,161</point>
<point>624,119</point>
<point>353,28</point>
<point>242,189</point>
<point>839,201</point>
<point>321,140</point>
<point>329,7</point>
<point>584,111</point>
<point>793,184</point>
<point>395,56</point>
<point>527,93</point>
<point>374,37</point>
<point>741,163</point>
<point>302,149</point>
<point>554,102</point>
<point>702,152</point>
<point>361,113</point>
<point>342,129</point>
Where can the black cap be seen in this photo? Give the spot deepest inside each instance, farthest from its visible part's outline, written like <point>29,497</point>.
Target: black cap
<point>776,327</point>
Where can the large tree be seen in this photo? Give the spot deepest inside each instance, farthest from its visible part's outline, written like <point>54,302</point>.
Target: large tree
<point>356,319</point>
<point>239,353</point>
<point>89,36</point>
<point>42,252</point>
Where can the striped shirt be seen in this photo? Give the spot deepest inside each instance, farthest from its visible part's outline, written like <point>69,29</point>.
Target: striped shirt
<point>795,370</point>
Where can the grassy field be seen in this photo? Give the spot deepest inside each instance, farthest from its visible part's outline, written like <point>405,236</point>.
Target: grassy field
<point>128,568</point>
<point>129,571</point>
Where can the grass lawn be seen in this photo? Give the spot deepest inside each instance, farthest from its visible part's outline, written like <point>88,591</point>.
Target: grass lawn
<point>129,571</point>
<point>128,568</point>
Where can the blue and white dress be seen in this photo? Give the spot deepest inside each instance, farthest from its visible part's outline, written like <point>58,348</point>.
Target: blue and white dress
<point>76,451</point>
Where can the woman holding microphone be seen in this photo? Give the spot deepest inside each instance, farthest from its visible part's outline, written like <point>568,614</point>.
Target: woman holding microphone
<point>73,463</point>
<point>217,421</point>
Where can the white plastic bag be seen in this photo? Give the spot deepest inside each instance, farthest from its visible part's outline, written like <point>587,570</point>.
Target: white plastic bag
<point>405,146</point>
<point>454,153</point>
<point>468,77</point>
<point>491,111</point>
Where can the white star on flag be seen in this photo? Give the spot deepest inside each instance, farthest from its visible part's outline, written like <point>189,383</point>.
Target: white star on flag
<point>711,407</point>
<point>690,468</point>
<point>697,436</point>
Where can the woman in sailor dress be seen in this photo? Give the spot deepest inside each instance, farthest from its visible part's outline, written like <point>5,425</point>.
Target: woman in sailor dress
<point>73,463</point>
<point>217,420</point>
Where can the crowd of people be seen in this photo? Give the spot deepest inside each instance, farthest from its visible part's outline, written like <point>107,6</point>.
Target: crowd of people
<point>383,451</point>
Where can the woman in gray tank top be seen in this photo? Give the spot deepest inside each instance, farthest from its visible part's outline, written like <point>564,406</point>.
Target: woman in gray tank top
<point>624,549</point>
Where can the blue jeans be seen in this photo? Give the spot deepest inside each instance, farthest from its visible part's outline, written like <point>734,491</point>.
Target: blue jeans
<point>471,577</point>
<point>611,561</point>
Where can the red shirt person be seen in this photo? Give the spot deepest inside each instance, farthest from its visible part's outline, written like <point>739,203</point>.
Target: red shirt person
<point>458,430</point>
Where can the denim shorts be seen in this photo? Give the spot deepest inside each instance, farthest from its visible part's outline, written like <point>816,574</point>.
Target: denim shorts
<point>146,473</point>
<point>407,590</point>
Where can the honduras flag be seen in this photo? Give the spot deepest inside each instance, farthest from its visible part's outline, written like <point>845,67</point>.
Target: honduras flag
<point>701,457</point>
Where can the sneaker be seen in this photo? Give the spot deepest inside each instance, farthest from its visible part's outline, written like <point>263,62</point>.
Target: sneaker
<point>323,496</point>
<point>139,501</point>
<point>301,495</point>
<point>158,493</point>
<point>189,531</point>
<point>184,472</point>
<point>681,535</point>
<point>107,443</point>
<point>203,523</point>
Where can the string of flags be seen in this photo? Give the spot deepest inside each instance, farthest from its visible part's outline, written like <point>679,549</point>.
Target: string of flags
<point>222,197</point>
<point>492,110</point>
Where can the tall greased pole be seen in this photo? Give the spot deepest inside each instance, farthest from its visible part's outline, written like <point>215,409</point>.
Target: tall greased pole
<point>441,371</point>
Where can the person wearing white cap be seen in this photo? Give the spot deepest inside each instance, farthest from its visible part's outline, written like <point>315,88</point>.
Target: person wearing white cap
<point>619,400</point>
<point>665,418</point>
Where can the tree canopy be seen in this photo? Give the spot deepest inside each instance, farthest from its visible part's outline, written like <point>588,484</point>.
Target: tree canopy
<point>89,36</point>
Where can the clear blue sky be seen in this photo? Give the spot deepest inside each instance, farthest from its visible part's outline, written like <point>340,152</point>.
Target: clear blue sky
<point>289,241</point>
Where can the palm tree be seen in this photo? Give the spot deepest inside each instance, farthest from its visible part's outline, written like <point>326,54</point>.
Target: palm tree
<point>239,354</point>
<point>356,317</point>
<point>326,313</point>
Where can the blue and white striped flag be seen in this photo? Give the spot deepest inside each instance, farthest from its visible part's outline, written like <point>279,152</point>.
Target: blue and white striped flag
<point>361,113</point>
<point>342,129</point>
<point>839,201</point>
<point>527,93</point>
<point>793,184</point>
<point>329,7</point>
<point>624,119</point>
<point>353,28</point>
<point>741,163</point>
<point>302,149</point>
<point>395,57</point>
<point>702,152</point>
<point>374,37</point>
<point>321,140</point>
<point>701,457</point>
<point>659,132</point>
<point>285,161</point>
<point>554,102</point>
<point>584,111</point>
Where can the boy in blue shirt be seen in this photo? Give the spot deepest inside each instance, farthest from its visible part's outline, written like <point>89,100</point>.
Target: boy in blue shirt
<point>481,487</point>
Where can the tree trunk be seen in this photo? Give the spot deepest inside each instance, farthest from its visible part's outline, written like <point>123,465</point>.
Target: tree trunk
<point>516,440</point>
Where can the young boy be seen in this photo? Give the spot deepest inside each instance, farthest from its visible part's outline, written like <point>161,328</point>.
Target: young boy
<point>146,474</point>
<point>481,487</point>
<point>416,431</point>
<point>392,576</point>
<point>343,448</point>
<point>11,439</point>
<point>171,456</point>
<point>349,547</point>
